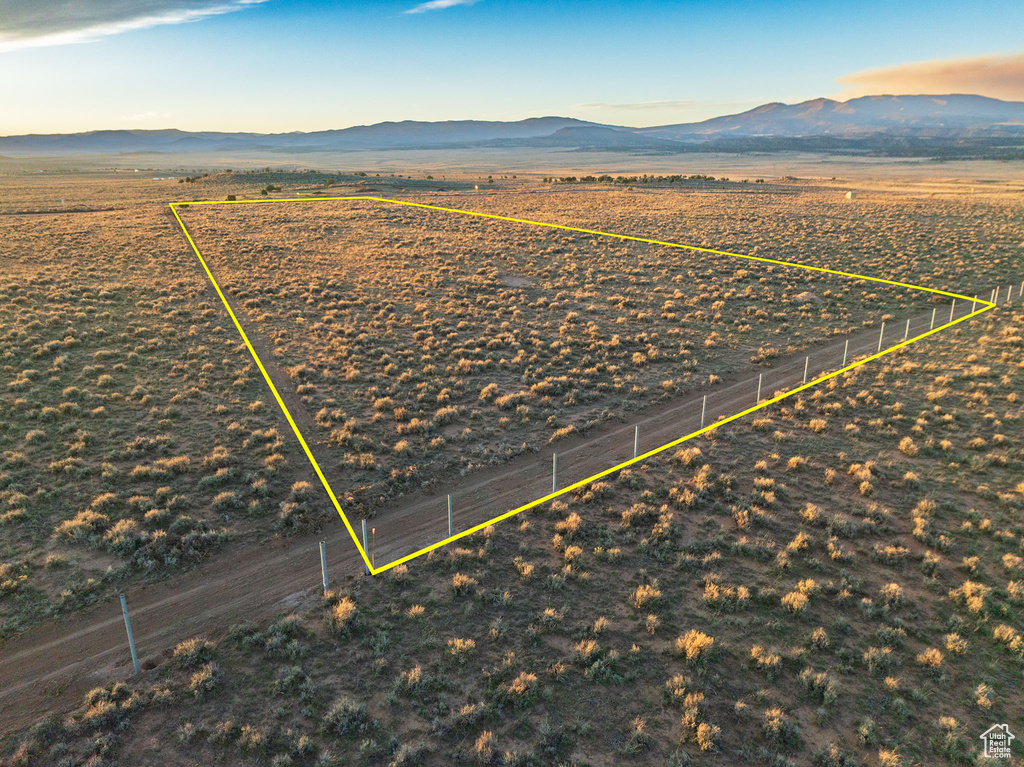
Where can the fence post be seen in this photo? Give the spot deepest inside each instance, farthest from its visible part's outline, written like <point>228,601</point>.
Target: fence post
<point>703,410</point>
<point>952,310</point>
<point>807,362</point>
<point>636,440</point>
<point>932,326</point>
<point>554,472</point>
<point>974,304</point>
<point>323,563</point>
<point>845,350</point>
<point>366,549</point>
<point>451,531</point>
<point>880,334</point>
<point>131,639</point>
<point>906,330</point>
<point>996,299</point>
<point>759,375</point>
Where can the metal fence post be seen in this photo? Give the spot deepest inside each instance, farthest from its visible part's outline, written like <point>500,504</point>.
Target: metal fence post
<point>807,362</point>
<point>131,639</point>
<point>932,326</point>
<point>880,334</point>
<point>323,562</point>
<point>846,349</point>
<point>952,310</point>
<point>906,331</point>
<point>366,549</point>
<point>554,472</point>
<point>636,440</point>
<point>451,532</point>
<point>759,376</point>
<point>703,410</point>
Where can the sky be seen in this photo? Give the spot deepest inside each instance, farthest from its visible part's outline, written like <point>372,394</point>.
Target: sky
<point>299,65</point>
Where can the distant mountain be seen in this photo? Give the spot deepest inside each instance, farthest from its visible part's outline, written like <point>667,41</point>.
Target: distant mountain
<point>918,126</point>
<point>919,116</point>
<point>408,134</point>
<point>594,137</point>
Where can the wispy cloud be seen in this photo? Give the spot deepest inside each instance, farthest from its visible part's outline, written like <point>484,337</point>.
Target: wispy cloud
<point>31,24</point>
<point>437,5</point>
<point>144,116</point>
<point>1000,77</point>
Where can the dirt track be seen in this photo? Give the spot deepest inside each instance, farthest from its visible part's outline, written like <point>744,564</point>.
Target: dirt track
<point>51,666</point>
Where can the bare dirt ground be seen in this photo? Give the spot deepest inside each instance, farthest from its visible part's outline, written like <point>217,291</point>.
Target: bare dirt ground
<point>48,668</point>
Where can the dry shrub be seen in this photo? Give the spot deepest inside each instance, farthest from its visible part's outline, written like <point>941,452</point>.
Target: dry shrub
<point>795,601</point>
<point>718,596</point>
<point>343,616</point>
<point>191,652</point>
<point>1006,635</point>
<point>694,645</point>
<point>688,455</point>
<point>524,568</point>
<point>766,660</point>
<point>460,648</point>
<point>907,447</point>
<point>956,644</point>
<point>461,583</point>
<point>972,595</point>
<point>570,526</point>
<point>646,594</point>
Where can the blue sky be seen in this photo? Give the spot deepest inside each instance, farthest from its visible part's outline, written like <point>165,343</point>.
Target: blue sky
<point>283,65</point>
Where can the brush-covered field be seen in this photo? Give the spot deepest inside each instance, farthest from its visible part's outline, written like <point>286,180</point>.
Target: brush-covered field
<point>836,582</point>
<point>425,342</point>
<point>833,582</point>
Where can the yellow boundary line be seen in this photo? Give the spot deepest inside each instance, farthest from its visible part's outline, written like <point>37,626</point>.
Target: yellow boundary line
<point>986,306</point>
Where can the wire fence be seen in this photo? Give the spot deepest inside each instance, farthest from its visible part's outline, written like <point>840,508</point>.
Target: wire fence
<point>481,497</point>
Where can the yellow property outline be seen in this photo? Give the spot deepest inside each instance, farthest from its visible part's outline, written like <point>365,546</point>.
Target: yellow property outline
<point>986,306</point>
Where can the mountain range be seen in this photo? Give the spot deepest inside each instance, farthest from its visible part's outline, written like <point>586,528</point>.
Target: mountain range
<point>901,125</point>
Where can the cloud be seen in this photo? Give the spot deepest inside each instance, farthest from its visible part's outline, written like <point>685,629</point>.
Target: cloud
<point>999,77</point>
<point>437,5</point>
<point>32,24</point>
<point>143,116</point>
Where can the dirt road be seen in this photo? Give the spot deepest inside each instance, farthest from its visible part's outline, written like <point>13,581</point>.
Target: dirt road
<point>51,666</point>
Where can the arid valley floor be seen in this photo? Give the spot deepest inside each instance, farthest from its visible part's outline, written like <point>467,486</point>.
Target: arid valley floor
<point>834,580</point>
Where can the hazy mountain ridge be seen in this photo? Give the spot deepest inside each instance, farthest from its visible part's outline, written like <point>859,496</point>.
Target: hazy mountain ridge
<point>405,134</point>
<point>949,116</point>
<point>897,125</point>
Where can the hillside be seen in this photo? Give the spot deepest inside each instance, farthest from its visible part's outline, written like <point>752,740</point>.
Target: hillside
<point>949,116</point>
<point>940,126</point>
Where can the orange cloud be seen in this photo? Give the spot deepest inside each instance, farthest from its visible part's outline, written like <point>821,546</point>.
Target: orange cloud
<point>1000,77</point>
